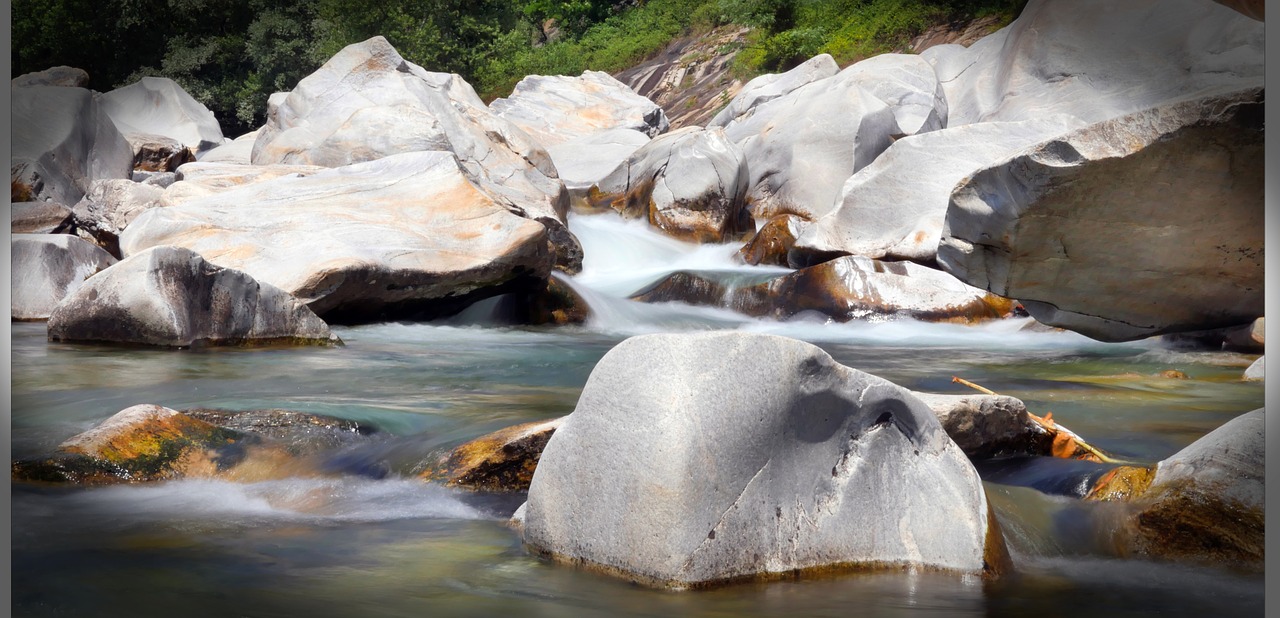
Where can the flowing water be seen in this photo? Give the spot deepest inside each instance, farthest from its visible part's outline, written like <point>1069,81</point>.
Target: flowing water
<point>374,541</point>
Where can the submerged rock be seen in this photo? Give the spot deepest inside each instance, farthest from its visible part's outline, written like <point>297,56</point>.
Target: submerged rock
<point>158,106</point>
<point>402,237</point>
<point>171,296</point>
<point>554,109</point>
<point>500,461</point>
<point>299,433</point>
<point>1167,201</point>
<point>47,268</point>
<point>62,141</point>
<point>696,459</point>
<point>689,184</point>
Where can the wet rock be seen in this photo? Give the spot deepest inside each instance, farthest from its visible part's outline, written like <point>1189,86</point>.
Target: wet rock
<point>1067,226</point>
<point>1249,339</point>
<point>109,207</point>
<point>1257,371</point>
<point>1096,60</point>
<point>585,161</point>
<point>147,443</point>
<point>47,268</point>
<point>890,210</point>
<point>367,102</point>
<point>988,426</point>
<point>554,304</point>
<point>1205,503</point>
<point>858,288</point>
<point>773,242</point>
<point>696,459</point>
<point>500,461</point>
<point>406,236</point>
<point>299,433</point>
<point>765,88</point>
<point>63,76</point>
<point>62,141</point>
<point>39,218</point>
<point>554,109</point>
<point>157,153</point>
<point>689,184</point>
<point>158,106</point>
<point>685,287</point>
<point>170,296</point>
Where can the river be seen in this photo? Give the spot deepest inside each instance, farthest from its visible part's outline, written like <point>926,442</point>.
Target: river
<point>374,541</point>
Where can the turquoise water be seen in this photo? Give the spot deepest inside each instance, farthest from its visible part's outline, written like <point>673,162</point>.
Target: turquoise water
<point>376,542</point>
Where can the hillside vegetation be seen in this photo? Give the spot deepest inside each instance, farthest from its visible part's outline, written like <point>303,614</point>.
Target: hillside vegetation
<point>232,54</point>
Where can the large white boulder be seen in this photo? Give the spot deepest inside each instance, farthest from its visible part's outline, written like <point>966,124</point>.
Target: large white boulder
<point>109,207</point>
<point>768,87</point>
<point>62,141</point>
<point>407,235</point>
<point>49,267</point>
<point>695,459</point>
<point>159,106</point>
<point>586,160</point>
<point>1145,224</point>
<point>554,109</point>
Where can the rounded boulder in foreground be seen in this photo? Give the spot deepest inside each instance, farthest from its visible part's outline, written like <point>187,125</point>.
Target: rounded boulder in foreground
<point>694,460</point>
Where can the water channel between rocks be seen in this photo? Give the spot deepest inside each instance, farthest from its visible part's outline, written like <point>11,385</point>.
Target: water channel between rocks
<point>375,541</point>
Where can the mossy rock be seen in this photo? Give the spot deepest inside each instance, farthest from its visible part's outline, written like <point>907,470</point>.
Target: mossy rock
<point>500,461</point>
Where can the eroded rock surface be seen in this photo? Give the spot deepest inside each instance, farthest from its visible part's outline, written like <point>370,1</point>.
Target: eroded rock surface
<point>49,267</point>
<point>62,141</point>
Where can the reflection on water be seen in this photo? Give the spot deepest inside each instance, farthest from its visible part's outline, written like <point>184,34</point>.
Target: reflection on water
<point>385,544</point>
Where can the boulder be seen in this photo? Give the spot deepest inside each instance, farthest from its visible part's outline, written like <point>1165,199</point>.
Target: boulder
<point>1257,370</point>
<point>299,433</point>
<point>891,210</point>
<point>554,109</point>
<point>146,443</point>
<point>170,296</point>
<point>500,461</point>
<point>773,242</point>
<point>685,287</point>
<point>765,88</point>
<point>1098,59</point>
<point>989,426</point>
<point>1204,503</point>
<point>555,303</point>
<point>64,76</point>
<point>109,207</point>
<point>689,184</point>
<point>798,164</point>
<point>160,180</point>
<point>1167,201</point>
<point>405,236</point>
<point>49,267</point>
<point>157,153</point>
<point>1251,338</point>
<point>239,150</point>
<point>158,106</point>
<point>585,161</point>
<point>696,459</point>
<point>367,102</point>
<point>62,141</point>
<point>39,218</point>
<point>859,288</point>
<point>201,179</point>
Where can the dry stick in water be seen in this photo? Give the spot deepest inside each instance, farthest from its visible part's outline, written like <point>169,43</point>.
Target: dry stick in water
<point>1066,444</point>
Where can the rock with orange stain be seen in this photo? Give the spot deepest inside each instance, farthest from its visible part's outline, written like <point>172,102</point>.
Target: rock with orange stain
<point>504,460</point>
<point>170,296</point>
<point>774,240</point>
<point>554,109</point>
<point>408,235</point>
<point>987,426</point>
<point>690,184</point>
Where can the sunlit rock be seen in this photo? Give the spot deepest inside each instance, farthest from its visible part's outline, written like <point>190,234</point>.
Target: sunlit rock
<point>157,153</point>
<point>109,207</point>
<point>62,141</point>
<point>170,296</point>
<point>773,241</point>
<point>554,109</point>
<point>765,88</point>
<point>1257,370</point>
<point>158,106</point>
<point>585,161</point>
<point>49,267</point>
<point>690,184</point>
<point>407,235</point>
<point>1167,201</point>
<point>696,459</point>
<point>500,461</point>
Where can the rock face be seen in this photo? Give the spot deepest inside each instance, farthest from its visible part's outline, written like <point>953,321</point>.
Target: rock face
<point>689,184</point>
<point>501,461</point>
<point>556,109</point>
<point>696,459</point>
<point>798,165</point>
<point>159,106</point>
<point>171,296</point>
<point>1073,226</point>
<point>585,161</point>
<point>49,267</point>
<point>109,207</point>
<point>692,78</point>
<point>858,288</point>
<point>1205,503</point>
<point>367,102</point>
<point>62,141</point>
<point>39,218</point>
<point>157,153</point>
<point>895,207</point>
<point>768,87</point>
<point>201,179</point>
<point>404,236</point>
<point>153,443</point>
<point>1097,59</point>
<point>54,76</point>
